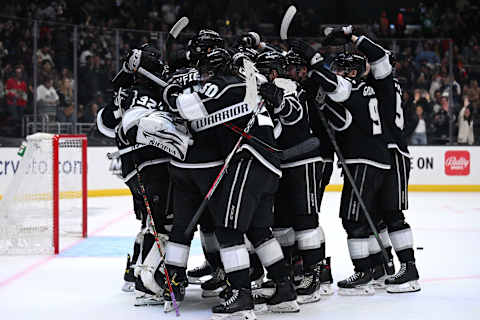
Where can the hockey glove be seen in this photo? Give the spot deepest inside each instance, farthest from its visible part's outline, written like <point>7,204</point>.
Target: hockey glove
<point>306,51</point>
<point>271,93</point>
<point>338,36</point>
<point>186,78</point>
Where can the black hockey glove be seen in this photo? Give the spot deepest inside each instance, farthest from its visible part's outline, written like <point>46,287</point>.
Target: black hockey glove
<point>185,78</point>
<point>338,36</point>
<point>306,51</point>
<point>272,94</point>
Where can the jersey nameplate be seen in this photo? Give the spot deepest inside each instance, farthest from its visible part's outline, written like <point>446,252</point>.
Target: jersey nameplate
<point>226,114</point>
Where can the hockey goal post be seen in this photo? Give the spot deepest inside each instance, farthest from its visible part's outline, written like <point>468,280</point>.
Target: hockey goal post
<point>47,197</point>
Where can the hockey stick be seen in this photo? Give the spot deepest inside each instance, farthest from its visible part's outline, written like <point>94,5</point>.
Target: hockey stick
<point>155,234</point>
<point>251,99</point>
<point>299,149</point>
<point>286,21</point>
<point>173,34</point>
<point>117,154</point>
<point>341,159</point>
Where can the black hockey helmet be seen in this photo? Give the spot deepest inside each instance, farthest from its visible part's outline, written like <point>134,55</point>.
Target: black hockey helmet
<point>348,62</point>
<point>203,43</point>
<point>217,60</point>
<point>151,60</point>
<point>271,60</point>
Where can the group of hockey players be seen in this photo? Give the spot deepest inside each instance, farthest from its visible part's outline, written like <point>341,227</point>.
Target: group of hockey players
<point>175,127</point>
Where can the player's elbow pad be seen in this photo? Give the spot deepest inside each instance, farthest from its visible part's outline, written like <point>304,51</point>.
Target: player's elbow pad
<point>377,57</point>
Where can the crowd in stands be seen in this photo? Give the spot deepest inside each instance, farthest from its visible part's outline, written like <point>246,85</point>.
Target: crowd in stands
<point>436,102</point>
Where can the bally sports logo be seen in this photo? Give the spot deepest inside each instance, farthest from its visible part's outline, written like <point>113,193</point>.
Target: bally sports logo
<point>457,163</point>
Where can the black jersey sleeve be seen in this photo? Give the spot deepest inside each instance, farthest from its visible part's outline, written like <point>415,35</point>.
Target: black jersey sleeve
<point>336,87</point>
<point>376,56</point>
<point>111,115</point>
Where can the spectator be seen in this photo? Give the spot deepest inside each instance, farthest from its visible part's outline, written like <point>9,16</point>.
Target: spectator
<point>47,99</point>
<point>90,113</point>
<point>44,54</point>
<point>465,124</point>
<point>384,24</point>
<point>16,97</point>
<point>65,114</point>
<point>65,87</point>
<point>47,72</point>
<point>419,135</point>
<point>441,123</point>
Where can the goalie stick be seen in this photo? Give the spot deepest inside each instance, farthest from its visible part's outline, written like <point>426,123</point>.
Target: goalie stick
<point>251,99</point>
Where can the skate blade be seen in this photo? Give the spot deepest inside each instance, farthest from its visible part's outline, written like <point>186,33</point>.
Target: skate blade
<point>128,287</point>
<point>379,283</point>
<point>264,292</point>
<point>284,307</point>
<point>309,298</point>
<point>239,315</point>
<point>212,293</point>
<point>169,307</point>
<point>365,290</point>
<point>148,300</point>
<point>326,289</point>
<point>197,280</point>
<point>261,308</point>
<point>411,286</point>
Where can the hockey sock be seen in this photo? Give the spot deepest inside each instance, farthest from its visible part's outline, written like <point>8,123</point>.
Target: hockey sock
<point>312,257</point>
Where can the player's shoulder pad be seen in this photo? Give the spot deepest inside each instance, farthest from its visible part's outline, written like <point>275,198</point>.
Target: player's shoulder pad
<point>218,86</point>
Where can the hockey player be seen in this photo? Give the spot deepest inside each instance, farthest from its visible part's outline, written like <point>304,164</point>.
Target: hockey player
<point>239,196</point>
<point>296,210</point>
<point>123,114</point>
<point>388,92</point>
<point>352,109</point>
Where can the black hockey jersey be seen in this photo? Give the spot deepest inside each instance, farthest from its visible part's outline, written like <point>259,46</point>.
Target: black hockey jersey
<point>295,125</point>
<point>221,100</point>
<point>352,109</point>
<point>388,92</point>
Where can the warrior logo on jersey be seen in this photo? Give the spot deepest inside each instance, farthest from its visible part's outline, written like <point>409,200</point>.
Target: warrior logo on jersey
<point>227,114</point>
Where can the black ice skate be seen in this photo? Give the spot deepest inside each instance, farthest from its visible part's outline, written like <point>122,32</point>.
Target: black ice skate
<point>380,273</point>
<point>326,279</point>
<point>284,299</point>
<point>238,306</point>
<point>178,289</point>
<point>406,280</point>
<point>129,277</point>
<point>144,296</point>
<point>308,290</point>
<point>212,287</point>
<point>194,276</point>
<point>358,284</point>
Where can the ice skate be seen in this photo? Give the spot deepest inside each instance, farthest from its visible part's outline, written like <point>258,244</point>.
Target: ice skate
<point>406,280</point>
<point>308,291</point>
<point>145,297</point>
<point>213,287</point>
<point>178,290</point>
<point>239,306</point>
<point>358,284</point>
<point>194,276</point>
<point>129,277</point>
<point>284,300</point>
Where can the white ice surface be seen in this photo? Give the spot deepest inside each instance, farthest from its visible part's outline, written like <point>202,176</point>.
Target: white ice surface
<point>86,285</point>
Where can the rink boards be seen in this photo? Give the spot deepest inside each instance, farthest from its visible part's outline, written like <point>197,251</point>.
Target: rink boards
<point>434,168</point>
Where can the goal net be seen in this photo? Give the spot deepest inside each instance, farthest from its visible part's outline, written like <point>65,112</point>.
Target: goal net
<point>46,199</point>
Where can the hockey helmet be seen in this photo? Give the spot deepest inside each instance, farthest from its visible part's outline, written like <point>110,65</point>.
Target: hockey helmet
<point>348,62</point>
<point>203,43</point>
<point>271,60</point>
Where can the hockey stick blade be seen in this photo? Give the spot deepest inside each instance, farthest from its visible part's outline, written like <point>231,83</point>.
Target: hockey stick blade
<point>178,27</point>
<point>287,19</point>
<point>301,148</point>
